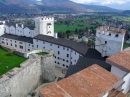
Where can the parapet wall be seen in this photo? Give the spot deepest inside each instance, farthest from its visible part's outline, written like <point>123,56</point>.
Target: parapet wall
<point>20,82</point>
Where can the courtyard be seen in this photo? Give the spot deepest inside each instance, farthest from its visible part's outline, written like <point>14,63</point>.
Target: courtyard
<point>8,61</point>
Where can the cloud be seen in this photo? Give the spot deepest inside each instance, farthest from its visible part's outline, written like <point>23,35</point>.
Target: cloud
<point>103,2</point>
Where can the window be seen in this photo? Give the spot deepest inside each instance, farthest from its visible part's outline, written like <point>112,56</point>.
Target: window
<point>15,45</point>
<point>105,42</point>
<point>32,45</point>
<point>28,44</point>
<point>37,46</point>
<point>67,61</point>
<point>55,61</point>
<point>116,35</point>
<point>67,55</point>
<point>58,52</point>
<point>63,64</point>
<point>55,56</point>
<point>21,47</point>
<point>67,66</point>
<point>11,44</point>
<point>3,42</point>
<point>109,34</point>
<point>58,58</point>
<point>75,53</point>
<point>10,40</point>
<point>7,43</point>
<point>63,48</point>
<point>58,46</point>
<point>43,42</point>
<point>63,59</point>
<point>67,49</point>
<point>6,39</point>
<point>15,41</point>
<point>50,44</point>
<point>58,63</point>
<point>28,49</point>
<point>75,60</point>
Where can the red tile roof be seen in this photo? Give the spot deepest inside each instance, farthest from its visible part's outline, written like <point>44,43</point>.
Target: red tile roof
<point>93,81</point>
<point>120,60</point>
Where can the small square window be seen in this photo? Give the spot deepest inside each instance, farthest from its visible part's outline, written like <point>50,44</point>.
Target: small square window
<point>105,42</point>
<point>58,52</point>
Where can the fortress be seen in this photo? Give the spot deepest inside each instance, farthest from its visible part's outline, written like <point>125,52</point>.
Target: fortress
<point>63,53</point>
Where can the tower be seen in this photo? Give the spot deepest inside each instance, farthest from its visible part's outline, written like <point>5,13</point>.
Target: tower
<point>109,40</point>
<point>2,27</point>
<point>45,25</point>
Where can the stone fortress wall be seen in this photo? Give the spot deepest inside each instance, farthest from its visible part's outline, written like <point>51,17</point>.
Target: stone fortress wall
<point>19,82</point>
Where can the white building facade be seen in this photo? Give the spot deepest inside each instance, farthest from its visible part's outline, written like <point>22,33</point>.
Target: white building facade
<point>24,39</point>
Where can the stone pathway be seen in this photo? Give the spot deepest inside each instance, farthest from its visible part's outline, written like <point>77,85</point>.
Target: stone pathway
<point>58,73</point>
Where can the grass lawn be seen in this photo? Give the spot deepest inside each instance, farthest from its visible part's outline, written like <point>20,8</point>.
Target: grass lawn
<point>126,45</point>
<point>10,61</point>
<point>64,28</point>
<point>78,24</point>
<point>98,20</point>
<point>42,53</point>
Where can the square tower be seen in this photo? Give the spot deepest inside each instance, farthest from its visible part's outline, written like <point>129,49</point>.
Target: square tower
<point>109,40</point>
<point>45,25</point>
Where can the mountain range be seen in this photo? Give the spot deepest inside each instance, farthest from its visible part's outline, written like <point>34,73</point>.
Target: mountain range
<point>25,6</point>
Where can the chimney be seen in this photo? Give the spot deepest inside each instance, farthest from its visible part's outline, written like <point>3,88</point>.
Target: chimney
<point>56,35</point>
<point>16,25</point>
<point>22,26</point>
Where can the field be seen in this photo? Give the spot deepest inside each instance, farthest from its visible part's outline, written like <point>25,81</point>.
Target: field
<point>123,18</point>
<point>8,61</point>
<point>78,24</point>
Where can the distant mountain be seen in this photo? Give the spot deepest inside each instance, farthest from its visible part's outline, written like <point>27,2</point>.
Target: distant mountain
<point>15,6</point>
<point>126,12</point>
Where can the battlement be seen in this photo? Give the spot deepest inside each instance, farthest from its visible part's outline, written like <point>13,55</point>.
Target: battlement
<point>45,18</point>
<point>110,30</point>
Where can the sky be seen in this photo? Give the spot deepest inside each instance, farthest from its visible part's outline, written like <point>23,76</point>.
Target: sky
<point>117,4</point>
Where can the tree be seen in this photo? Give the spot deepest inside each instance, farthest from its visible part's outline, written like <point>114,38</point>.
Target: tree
<point>90,43</point>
